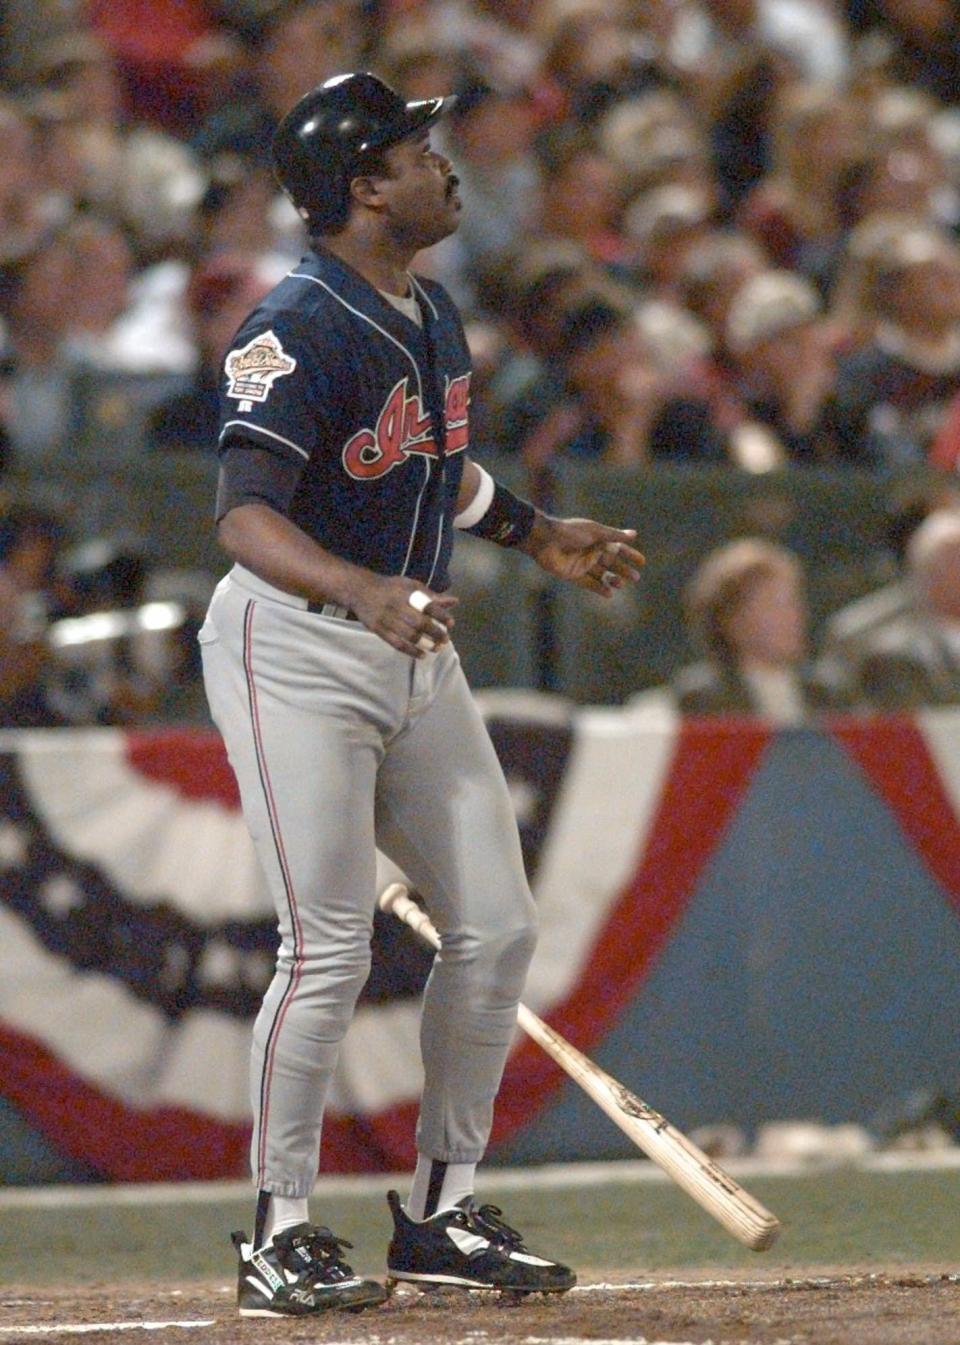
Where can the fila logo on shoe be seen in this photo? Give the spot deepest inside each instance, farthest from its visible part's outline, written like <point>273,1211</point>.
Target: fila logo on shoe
<point>471,1244</point>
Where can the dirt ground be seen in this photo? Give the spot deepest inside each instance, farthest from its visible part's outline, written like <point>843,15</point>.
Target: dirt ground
<point>919,1306</point>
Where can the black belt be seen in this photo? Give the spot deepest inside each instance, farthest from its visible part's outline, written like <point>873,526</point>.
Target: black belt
<point>332,609</point>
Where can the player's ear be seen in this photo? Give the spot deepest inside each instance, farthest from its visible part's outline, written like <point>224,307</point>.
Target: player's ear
<point>367,190</point>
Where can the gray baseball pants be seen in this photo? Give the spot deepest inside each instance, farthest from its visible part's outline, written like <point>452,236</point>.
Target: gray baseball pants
<point>341,744</point>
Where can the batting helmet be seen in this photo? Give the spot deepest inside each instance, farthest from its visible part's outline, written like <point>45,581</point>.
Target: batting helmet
<point>318,145</point>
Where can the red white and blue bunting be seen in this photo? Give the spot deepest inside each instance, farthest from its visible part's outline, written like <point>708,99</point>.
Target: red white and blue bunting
<point>137,939</point>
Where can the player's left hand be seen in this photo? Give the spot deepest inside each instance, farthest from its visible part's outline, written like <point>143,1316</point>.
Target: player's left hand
<point>589,554</point>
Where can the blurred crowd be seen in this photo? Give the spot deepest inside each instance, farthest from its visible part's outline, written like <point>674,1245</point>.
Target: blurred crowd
<point>694,231</point>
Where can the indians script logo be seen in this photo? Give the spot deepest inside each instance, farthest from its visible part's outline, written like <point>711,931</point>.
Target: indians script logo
<point>252,370</point>
<point>403,428</point>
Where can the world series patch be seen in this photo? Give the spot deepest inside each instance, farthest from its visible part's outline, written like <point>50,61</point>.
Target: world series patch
<point>253,369</point>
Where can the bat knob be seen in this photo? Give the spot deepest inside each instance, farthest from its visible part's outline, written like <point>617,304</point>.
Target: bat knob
<point>391,895</point>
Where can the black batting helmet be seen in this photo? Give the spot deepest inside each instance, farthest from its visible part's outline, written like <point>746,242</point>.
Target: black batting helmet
<point>319,145</point>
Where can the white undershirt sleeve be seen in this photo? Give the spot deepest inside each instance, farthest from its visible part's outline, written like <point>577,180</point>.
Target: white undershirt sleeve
<point>478,506</point>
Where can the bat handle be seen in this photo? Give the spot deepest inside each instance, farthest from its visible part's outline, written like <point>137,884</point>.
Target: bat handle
<point>395,898</point>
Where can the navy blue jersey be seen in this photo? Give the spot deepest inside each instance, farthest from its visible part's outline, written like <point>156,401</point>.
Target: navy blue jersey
<point>370,409</point>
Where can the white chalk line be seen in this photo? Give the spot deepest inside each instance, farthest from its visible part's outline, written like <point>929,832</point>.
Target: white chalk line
<point>867,1278</point>
<point>83,1328</point>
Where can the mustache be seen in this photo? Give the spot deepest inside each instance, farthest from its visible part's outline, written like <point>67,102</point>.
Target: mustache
<point>453,182</point>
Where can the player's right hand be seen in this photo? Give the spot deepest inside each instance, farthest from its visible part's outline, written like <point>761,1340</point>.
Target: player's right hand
<point>383,605</point>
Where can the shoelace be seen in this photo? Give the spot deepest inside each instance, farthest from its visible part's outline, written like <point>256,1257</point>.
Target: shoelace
<point>323,1249</point>
<point>488,1217</point>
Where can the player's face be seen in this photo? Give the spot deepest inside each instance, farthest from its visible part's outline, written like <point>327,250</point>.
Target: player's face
<point>422,205</point>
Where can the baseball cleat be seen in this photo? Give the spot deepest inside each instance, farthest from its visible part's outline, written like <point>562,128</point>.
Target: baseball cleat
<point>300,1272</point>
<point>470,1247</point>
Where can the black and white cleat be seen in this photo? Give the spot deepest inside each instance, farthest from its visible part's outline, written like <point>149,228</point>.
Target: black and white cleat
<point>469,1247</point>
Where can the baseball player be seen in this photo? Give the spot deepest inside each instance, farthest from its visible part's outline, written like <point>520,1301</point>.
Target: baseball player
<point>333,679</point>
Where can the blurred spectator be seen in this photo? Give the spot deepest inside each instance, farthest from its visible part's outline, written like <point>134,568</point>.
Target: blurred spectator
<point>173,61</point>
<point>806,33</point>
<point>747,613</point>
<point>524,294</point>
<point>736,57</point>
<point>69,306</point>
<point>220,295</point>
<point>712,275</point>
<point>903,168</point>
<point>893,393</point>
<point>582,196</point>
<point>888,183</point>
<point>923,42</point>
<point>92,155</point>
<point>849,631</point>
<point>501,37</point>
<point>915,660</point>
<point>852,296</point>
<point>784,359</point>
<point>656,141</point>
<point>417,60</point>
<point>904,119</point>
<point>290,46</point>
<point>945,450</point>
<point>241,211</point>
<point>101,278</point>
<point>240,214</point>
<point>620,407</point>
<point>593,58</point>
<point>678,343</point>
<point>26,209</point>
<point>29,543</point>
<point>664,226</point>
<point>34,296</point>
<point>77,70</point>
<point>794,212</point>
<point>24,26</point>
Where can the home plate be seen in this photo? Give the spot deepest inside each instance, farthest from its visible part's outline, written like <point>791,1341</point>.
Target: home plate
<point>81,1328</point>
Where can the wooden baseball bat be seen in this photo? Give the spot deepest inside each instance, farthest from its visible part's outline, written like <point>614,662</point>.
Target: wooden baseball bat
<point>704,1180</point>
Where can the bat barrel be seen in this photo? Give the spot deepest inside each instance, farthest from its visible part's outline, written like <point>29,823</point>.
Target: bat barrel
<point>740,1213</point>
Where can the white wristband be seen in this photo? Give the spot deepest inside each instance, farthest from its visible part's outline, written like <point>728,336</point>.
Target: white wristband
<point>480,503</point>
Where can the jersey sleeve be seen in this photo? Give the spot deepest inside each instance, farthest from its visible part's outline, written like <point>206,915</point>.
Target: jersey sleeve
<point>272,389</point>
<point>250,474</point>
